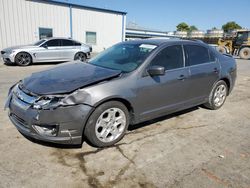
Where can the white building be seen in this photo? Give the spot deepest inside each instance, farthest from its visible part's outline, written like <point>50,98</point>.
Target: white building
<point>135,33</point>
<point>197,34</point>
<point>26,21</point>
<point>213,33</point>
<point>181,34</point>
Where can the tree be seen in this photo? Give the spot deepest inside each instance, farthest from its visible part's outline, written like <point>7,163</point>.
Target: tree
<point>230,26</point>
<point>214,28</point>
<point>182,27</point>
<point>193,28</point>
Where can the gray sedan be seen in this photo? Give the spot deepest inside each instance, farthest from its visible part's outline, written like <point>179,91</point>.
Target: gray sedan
<point>47,50</point>
<point>128,83</point>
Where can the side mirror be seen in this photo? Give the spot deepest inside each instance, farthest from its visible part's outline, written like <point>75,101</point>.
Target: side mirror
<point>156,70</point>
<point>45,46</point>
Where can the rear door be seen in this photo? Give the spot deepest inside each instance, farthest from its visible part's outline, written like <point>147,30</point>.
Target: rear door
<point>204,71</point>
<point>68,49</point>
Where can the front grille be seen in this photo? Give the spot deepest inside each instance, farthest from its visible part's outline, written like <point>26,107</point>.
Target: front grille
<point>19,120</point>
<point>3,52</point>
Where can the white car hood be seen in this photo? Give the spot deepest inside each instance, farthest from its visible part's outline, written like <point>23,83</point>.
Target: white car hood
<point>19,47</point>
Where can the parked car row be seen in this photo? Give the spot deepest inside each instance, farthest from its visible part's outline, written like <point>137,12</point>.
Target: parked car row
<point>126,84</point>
<point>47,50</point>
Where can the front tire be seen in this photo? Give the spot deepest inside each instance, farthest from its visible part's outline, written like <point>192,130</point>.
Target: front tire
<point>107,124</point>
<point>217,96</point>
<point>23,59</point>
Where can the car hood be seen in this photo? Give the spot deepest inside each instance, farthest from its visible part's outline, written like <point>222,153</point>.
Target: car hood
<point>66,78</point>
<point>19,47</point>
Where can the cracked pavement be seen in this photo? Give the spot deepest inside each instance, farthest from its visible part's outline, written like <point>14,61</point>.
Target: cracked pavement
<point>179,150</point>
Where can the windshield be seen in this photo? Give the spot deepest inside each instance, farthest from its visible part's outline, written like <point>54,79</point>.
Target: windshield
<point>39,42</point>
<point>125,56</point>
<point>242,36</point>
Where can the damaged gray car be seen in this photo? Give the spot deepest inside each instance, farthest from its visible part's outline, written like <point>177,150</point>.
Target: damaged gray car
<point>128,83</point>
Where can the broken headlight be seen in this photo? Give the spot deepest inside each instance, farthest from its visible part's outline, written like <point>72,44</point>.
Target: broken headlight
<point>47,103</point>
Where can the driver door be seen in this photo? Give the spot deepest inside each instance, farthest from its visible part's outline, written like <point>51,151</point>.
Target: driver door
<point>158,95</point>
<point>49,51</point>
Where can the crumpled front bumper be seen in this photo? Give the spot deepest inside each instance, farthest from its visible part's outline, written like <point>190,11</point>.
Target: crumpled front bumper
<point>70,121</point>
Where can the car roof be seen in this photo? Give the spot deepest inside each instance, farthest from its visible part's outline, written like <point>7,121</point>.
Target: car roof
<point>160,41</point>
<point>58,38</point>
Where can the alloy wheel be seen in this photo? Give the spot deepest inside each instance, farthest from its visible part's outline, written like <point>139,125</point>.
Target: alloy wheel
<point>23,59</point>
<point>80,57</point>
<point>110,125</point>
<point>220,95</point>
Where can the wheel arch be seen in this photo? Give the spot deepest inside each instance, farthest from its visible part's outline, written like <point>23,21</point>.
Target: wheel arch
<point>126,102</point>
<point>79,51</point>
<point>227,81</point>
<point>26,53</point>
<point>121,100</point>
<point>244,46</point>
<point>118,99</point>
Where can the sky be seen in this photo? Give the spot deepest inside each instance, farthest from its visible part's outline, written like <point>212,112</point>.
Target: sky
<point>164,15</point>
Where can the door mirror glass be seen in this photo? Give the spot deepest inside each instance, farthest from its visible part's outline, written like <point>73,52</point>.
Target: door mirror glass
<point>156,70</point>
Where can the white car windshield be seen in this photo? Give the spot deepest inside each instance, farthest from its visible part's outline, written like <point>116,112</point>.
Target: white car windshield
<point>39,42</point>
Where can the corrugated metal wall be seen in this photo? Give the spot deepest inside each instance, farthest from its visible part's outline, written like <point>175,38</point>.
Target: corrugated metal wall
<point>20,21</point>
<point>108,27</point>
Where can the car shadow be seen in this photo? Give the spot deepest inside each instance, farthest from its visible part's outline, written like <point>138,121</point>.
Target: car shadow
<point>34,64</point>
<point>130,129</point>
<point>238,58</point>
<point>48,63</point>
<point>49,144</point>
<point>9,64</point>
<point>162,118</point>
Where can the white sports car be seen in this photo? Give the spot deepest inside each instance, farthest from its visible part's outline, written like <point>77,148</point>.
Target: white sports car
<point>47,50</point>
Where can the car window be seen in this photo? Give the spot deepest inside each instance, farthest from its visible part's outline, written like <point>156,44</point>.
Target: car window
<point>171,58</point>
<point>124,56</point>
<point>242,36</point>
<point>77,43</point>
<point>67,42</point>
<point>196,54</point>
<point>53,42</point>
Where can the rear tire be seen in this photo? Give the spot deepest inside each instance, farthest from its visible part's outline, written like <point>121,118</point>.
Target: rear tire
<point>107,124</point>
<point>23,59</point>
<point>245,53</point>
<point>217,96</point>
<point>80,56</point>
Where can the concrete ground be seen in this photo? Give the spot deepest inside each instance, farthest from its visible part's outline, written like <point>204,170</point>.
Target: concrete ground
<point>194,148</point>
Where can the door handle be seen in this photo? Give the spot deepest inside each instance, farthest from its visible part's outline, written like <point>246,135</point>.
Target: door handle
<point>181,77</point>
<point>216,70</point>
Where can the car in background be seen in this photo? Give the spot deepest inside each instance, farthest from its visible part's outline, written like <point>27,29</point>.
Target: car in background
<point>47,50</point>
<point>126,84</point>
